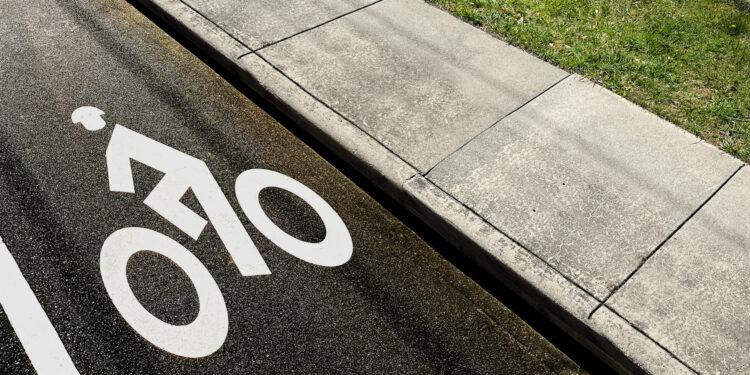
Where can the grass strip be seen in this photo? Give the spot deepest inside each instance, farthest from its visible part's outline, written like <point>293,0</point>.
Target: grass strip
<point>688,61</point>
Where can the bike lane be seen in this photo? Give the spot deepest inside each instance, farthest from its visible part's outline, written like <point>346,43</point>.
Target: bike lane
<point>225,278</point>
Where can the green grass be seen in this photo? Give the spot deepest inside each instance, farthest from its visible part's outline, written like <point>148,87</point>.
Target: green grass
<point>686,60</point>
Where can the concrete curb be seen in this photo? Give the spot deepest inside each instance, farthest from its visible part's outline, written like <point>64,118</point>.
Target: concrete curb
<point>612,337</point>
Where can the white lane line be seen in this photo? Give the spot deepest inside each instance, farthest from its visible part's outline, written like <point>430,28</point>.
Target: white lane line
<point>32,326</point>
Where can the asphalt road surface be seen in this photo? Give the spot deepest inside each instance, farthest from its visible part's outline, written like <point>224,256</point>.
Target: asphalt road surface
<point>154,220</point>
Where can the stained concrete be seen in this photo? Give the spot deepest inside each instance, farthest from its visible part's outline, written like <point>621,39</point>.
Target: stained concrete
<point>588,181</point>
<point>421,88</point>
<point>693,295</point>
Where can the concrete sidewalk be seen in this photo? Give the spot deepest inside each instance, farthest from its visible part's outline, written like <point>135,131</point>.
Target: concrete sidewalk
<point>632,234</point>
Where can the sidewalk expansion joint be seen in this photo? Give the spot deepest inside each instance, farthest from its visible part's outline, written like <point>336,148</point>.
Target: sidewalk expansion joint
<point>518,243</point>
<point>497,122</point>
<point>308,29</point>
<point>347,119</point>
<point>647,257</point>
<point>217,25</point>
<point>662,347</point>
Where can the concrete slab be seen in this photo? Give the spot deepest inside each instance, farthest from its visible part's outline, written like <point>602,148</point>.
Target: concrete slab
<point>261,22</point>
<point>693,295</point>
<point>486,246</point>
<point>587,180</point>
<point>422,88</point>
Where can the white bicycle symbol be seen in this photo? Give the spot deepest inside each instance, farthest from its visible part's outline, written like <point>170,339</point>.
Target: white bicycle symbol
<point>207,333</point>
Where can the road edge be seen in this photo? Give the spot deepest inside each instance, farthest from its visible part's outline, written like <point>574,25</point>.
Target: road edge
<point>608,335</point>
